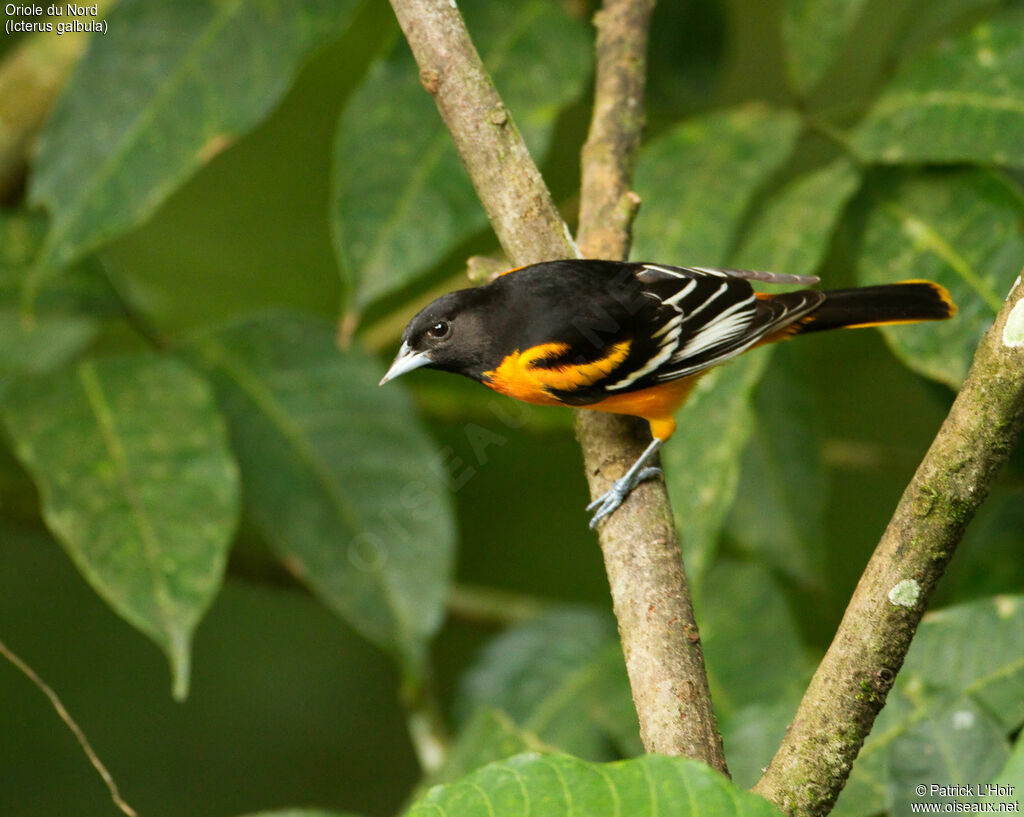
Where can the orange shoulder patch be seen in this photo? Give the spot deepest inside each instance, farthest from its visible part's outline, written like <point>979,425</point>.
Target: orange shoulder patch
<point>523,376</point>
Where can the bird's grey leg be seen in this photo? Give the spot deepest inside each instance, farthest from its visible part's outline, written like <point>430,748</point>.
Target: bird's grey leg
<point>616,495</point>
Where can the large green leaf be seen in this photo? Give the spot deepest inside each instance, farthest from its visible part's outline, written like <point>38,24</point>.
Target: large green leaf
<point>779,507</point>
<point>689,216</point>
<point>555,785</point>
<point>339,475</point>
<point>814,32</point>
<point>963,229</point>
<point>402,199</point>
<point>131,458</point>
<point>562,678</point>
<point>961,101</point>
<point>964,673</point>
<point>778,516</point>
<point>190,77</point>
<point>792,232</point>
<point>1013,773</point>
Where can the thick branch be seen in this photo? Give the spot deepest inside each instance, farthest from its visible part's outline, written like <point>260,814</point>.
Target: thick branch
<point>507,181</point>
<point>642,555</point>
<point>641,551</point>
<point>849,688</point>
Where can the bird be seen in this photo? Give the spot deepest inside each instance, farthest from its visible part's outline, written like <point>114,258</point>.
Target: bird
<point>632,338</point>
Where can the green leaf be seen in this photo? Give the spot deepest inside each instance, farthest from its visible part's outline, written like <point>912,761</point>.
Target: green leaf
<point>41,344</point>
<point>688,215</point>
<point>814,32</point>
<point>562,678</point>
<point>958,744</point>
<point>131,458</point>
<point>792,232</point>
<point>974,649</point>
<point>963,229</point>
<point>989,560</point>
<point>65,319</point>
<point>554,785</point>
<point>745,622</point>
<point>702,460</point>
<point>339,475</point>
<point>1013,772</point>
<point>191,77</point>
<point>489,736</point>
<point>778,516</point>
<point>401,198</point>
<point>779,506</point>
<point>934,18</point>
<point>961,101</point>
<point>967,659</point>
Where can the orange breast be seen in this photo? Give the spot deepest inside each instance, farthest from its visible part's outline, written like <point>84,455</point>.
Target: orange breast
<point>656,404</point>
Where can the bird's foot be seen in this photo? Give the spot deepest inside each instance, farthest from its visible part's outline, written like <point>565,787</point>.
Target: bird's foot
<point>616,495</point>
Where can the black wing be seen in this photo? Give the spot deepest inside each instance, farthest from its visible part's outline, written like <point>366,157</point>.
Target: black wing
<point>705,316</point>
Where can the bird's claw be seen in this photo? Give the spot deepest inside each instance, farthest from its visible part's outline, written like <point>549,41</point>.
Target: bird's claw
<point>616,495</point>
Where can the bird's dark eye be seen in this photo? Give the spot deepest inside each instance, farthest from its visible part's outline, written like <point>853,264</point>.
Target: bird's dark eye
<point>439,330</point>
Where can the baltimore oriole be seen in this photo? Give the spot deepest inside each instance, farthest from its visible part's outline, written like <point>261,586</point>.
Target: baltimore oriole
<point>632,338</point>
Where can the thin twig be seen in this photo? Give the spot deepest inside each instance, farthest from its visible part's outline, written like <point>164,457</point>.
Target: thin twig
<point>530,229</point>
<point>425,721</point>
<point>63,714</point>
<point>641,549</point>
<point>491,606</point>
<point>849,688</point>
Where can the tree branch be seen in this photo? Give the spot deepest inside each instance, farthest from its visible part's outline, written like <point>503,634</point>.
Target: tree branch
<point>849,688</point>
<point>509,185</point>
<point>641,550</point>
<point>72,725</point>
<point>660,638</point>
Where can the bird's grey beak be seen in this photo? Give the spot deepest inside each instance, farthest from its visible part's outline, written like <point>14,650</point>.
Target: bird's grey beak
<point>405,361</point>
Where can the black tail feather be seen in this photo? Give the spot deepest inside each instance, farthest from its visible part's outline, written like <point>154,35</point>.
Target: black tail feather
<point>907,302</point>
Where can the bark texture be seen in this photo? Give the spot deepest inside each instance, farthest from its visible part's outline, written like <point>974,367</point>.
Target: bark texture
<point>641,550</point>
